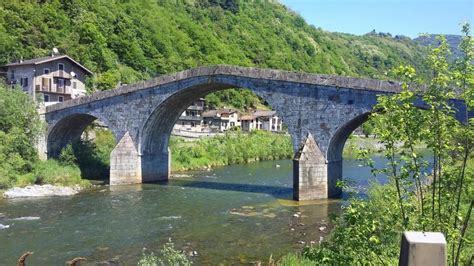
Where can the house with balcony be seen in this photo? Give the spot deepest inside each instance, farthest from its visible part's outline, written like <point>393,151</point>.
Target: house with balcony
<point>191,119</point>
<point>54,78</point>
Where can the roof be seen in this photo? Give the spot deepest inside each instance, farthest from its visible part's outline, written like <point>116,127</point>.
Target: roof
<point>247,117</point>
<point>260,113</point>
<point>214,113</point>
<point>41,60</point>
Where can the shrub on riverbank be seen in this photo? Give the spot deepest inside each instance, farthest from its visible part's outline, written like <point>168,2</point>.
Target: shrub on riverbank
<point>232,148</point>
<point>19,129</point>
<point>415,199</point>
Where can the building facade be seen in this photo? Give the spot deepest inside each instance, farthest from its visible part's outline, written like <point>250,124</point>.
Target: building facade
<point>53,79</point>
<point>196,120</point>
<point>191,119</point>
<point>221,120</point>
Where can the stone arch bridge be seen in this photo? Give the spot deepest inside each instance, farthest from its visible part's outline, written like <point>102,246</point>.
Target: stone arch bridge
<point>320,111</point>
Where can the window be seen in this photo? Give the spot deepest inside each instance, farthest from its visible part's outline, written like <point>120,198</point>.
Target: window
<point>74,85</point>
<point>46,98</point>
<point>60,67</point>
<point>60,98</point>
<point>193,124</point>
<point>12,75</point>
<point>60,83</point>
<point>24,82</point>
<point>46,71</point>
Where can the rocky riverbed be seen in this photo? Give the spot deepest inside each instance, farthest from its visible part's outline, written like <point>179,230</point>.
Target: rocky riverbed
<point>40,191</point>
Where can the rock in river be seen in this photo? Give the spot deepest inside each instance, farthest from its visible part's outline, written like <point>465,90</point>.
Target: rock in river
<point>40,191</point>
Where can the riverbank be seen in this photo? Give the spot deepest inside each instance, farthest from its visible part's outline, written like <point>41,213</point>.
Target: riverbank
<point>231,148</point>
<point>47,178</point>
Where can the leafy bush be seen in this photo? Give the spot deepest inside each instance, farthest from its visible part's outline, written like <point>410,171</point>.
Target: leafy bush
<point>169,256</point>
<point>19,129</point>
<point>55,173</point>
<point>415,199</point>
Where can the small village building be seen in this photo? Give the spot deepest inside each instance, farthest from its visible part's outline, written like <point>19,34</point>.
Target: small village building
<point>261,120</point>
<point>54,78</point>
<point>267,120</point>
<point>191,119</point>
<point>221,120</point>
<point>247,122</point>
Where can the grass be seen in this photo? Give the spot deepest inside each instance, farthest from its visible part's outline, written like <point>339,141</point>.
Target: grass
<point>232,148</point>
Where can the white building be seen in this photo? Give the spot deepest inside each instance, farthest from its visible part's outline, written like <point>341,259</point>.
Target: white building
<point>54,78</point>
<point>191,119</point>
<point>221,120</point>
<point>262,120</point>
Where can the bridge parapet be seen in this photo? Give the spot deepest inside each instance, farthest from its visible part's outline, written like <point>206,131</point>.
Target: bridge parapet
<point>238,71</point>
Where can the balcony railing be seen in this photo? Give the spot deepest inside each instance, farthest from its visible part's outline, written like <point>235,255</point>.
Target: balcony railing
<point>62,74</point>
<point>53,89</point>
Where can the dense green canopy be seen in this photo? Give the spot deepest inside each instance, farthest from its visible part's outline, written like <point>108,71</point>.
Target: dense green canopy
<point>125,41</point>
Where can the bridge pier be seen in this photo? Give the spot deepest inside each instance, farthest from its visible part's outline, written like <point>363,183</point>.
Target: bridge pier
<point>313,177</point>
<point>156,167</point>
<point>125,163</point>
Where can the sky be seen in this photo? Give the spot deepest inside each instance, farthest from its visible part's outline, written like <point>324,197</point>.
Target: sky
<point>402,17</point>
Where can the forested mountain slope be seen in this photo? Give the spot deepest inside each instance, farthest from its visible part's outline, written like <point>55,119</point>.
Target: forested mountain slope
<point>125,41</point>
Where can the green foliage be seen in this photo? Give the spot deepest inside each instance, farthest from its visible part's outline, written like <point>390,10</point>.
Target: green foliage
<point>55,173</point>
<point>294,260</point>
<point>416,199</point>
<point>67,156</point>
<point>232,148</point>
<point>19,128</point>
<point>126,41</point>
<point>169,256</point>
<point>368,129</point>
<point>236,98</point>
<point>92,156</point>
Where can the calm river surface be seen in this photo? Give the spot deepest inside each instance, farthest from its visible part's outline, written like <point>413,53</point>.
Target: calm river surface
<point>230,215</point>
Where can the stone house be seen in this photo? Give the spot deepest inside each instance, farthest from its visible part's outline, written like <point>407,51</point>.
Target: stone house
<point>221,120</point>
<point>191,119</point>
<point>54,78</point>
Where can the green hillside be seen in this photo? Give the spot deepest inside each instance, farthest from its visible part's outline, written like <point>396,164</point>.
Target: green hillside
<point>126,41</point>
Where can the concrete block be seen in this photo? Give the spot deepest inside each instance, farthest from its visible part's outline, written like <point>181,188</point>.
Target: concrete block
<point>423,248</point>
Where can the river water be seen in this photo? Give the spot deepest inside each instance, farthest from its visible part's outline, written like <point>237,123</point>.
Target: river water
<point>230,215</point>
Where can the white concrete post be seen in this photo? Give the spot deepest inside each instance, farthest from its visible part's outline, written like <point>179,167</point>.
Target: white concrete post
<point>423,248</point>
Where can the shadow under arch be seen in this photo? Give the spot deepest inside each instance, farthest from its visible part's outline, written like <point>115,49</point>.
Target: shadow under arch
<point>66,131</point>
<point>335,150</point>
<point>338,141</point>
<point>69,130</point>
<point>154,138</point>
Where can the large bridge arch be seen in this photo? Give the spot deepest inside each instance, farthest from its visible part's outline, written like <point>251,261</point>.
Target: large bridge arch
<point>155,134</point>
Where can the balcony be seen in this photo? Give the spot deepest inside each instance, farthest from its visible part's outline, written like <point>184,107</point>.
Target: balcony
<point>62,74</point>
<point>52,89</point>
